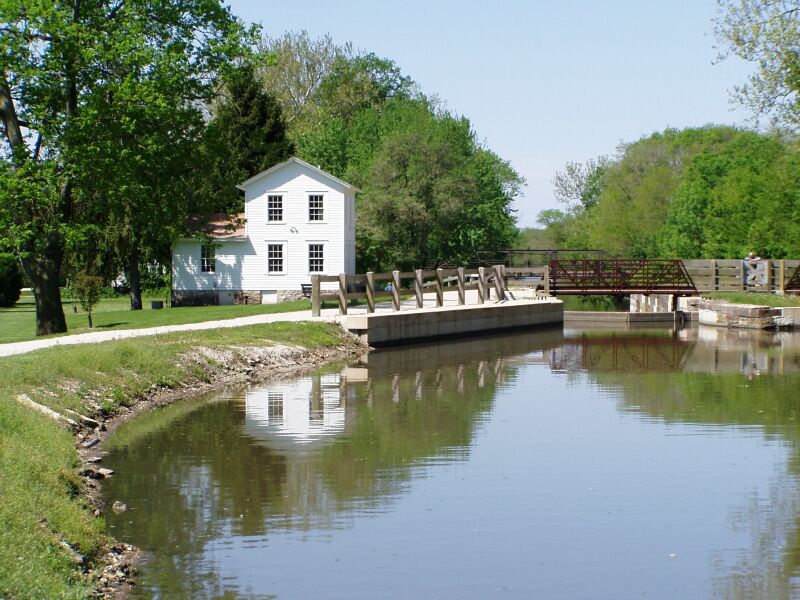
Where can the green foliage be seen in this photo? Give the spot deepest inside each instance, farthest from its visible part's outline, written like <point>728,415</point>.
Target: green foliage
<point>110,96</point>
<point>245,136</point>
<point>10,280</point>
<point>431,193</point>
<point>698,192</point>
<point>766,33</point>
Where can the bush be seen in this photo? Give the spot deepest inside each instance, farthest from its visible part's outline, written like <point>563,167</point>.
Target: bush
<point>10,280</point>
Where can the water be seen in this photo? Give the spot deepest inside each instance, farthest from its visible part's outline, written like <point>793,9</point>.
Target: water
<point>583,464</point>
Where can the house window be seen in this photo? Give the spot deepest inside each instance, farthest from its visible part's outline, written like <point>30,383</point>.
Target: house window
<point>208,260</point>
<point>316,260</point>
<point>275,258</point>
<point>274,208</point>
<point>315,207</point>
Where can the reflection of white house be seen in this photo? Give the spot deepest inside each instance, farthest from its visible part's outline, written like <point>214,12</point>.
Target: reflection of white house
<point>298,221</point>
<point>293,413</point>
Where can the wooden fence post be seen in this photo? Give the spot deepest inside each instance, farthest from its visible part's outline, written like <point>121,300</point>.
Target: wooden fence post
<point>481,284</point>
<point>439,288</point>
<point>418,288</point>
<point>396,290</point>
<point>370,292</point>
<point>782,269</point>
<point>714,285</point>
<point>462,295</point>
<point>316,301</point>
<point>768,269</point>
<point>546,277</point>
<point>498,282</point>
<point>342,294</point>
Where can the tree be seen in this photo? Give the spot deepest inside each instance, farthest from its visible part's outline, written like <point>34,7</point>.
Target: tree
<point>87,289</point>
<point>292,68</point>
<point>767,33</point>
<point>70,69</point>
<point>431,196</point>
<point>246,135</point>
<point>579,185</point>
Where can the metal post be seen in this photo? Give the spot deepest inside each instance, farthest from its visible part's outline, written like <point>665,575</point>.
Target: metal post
<point>396,290</point>
<point>462,296</point>
<point>316,301</point>
<point>418,287</point>
<point>370,292</point>
<point>481,284</point>
<point>439,288</point>
<point>342,294</point>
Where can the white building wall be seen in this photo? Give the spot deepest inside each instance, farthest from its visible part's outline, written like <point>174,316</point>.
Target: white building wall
<point>242,265</point>
<point>295,183</point>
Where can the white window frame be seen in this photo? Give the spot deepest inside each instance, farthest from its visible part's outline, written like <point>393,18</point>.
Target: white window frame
<point>208,263</point>
<point>282,208</point>
<point>284,245</point>
<point>321,207</point>
<point>308,257</point>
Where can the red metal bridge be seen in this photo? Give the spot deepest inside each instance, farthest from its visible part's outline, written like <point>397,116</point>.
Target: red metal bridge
<point>596,272</point>
<point>619,277</point>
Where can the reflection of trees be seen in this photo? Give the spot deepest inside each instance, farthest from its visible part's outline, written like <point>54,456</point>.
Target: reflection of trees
<point>192,476</point>
<point>726,393</point>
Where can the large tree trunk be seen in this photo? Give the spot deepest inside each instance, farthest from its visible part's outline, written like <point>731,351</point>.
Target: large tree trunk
<point>43,271</point>
<point>135,281</point>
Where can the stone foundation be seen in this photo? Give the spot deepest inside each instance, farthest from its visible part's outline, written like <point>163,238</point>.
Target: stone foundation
<point>211,298</point>
<point>193,298</point>
<point>247,297</point>
<point>286,295</point>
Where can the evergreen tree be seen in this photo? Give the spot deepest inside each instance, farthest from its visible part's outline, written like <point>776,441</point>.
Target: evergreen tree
<point>246,135</point>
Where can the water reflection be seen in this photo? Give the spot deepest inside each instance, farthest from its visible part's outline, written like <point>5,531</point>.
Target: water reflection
<point>276,473</point>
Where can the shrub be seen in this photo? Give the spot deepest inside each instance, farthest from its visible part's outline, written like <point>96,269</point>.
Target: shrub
<point>10,280</point>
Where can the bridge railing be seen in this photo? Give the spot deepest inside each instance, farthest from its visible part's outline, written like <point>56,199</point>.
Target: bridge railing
<point>620,277</point>
<point>371,286</point>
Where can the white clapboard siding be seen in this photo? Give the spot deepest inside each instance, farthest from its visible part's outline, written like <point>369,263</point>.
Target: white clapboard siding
<point>242,264</point>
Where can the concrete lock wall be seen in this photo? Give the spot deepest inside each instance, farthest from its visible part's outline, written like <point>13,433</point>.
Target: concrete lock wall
<point>652,303</point>
<point>391,328</point>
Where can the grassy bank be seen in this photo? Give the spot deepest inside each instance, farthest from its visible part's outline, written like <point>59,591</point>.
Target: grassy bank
<point>18,323</point>
<point>756,298</point>
<point>41,499</point>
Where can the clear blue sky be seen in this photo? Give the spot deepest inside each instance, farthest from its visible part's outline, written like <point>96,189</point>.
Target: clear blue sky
<point>543,83</point>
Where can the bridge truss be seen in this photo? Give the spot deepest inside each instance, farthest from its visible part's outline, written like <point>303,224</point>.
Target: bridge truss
<point>618,277</point>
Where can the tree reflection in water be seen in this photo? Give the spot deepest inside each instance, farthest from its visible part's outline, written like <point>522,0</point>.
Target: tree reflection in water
<point>314,453</point>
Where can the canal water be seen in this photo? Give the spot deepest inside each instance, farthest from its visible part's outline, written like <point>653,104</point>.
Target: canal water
<point>576,464</point>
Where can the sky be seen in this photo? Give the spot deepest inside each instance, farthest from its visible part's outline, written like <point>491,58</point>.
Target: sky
<point>542,83</point>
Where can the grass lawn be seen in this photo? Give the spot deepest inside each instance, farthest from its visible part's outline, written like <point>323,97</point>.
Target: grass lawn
<point>40,499</point>
<point>761,298</point>
<point>18,323</point>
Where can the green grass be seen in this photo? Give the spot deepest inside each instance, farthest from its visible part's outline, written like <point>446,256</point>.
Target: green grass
<point>40,502</point>
<point>761,298</point>
<point>18,323</point>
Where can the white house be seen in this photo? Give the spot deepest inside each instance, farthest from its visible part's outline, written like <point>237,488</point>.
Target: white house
<point>298,221</point>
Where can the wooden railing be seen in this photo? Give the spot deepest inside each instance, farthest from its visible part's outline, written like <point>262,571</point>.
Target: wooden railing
<point>482,279</point>
<point>728,275</point>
